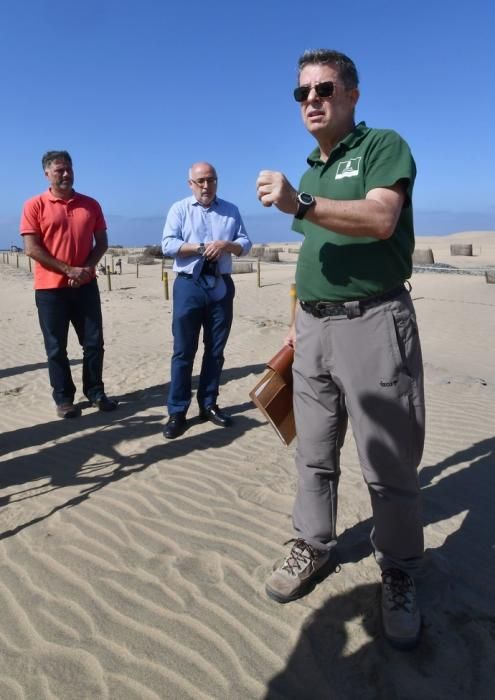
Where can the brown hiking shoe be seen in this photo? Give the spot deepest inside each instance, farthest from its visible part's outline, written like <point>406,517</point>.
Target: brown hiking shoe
<point>301,570</point>
<point>400,615</point>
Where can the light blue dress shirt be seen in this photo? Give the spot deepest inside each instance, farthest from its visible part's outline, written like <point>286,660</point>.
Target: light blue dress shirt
<point>190,222</point>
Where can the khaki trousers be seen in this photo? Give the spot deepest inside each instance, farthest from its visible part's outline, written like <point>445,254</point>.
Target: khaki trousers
<point>369,369</point>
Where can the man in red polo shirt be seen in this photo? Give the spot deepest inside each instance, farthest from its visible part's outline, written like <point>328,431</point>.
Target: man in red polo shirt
<point>65,233</point>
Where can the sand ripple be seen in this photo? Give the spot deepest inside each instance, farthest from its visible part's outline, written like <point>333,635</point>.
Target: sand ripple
<point>133,568</point>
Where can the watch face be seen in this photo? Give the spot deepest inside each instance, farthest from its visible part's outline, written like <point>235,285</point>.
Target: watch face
<point>306,201</point>
<point>305,198</point>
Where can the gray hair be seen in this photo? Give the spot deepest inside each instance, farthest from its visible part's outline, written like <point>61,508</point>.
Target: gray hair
<point>200,162</point>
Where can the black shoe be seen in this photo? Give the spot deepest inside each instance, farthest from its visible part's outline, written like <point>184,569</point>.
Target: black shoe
<point>214,414</point>
<point>175,426</point>
<point>103,403</point>
<point>68,410</point>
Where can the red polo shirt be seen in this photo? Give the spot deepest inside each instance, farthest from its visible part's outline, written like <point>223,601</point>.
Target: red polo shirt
<point>66,229</point>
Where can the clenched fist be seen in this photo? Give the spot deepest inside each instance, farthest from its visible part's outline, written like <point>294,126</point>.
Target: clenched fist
<point>273,187</point>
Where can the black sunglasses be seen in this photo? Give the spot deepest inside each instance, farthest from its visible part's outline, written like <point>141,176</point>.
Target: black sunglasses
<point>325,89</point>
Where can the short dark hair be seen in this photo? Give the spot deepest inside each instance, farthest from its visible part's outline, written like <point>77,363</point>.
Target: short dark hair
<point>345,66</point>
<point>50,156</point>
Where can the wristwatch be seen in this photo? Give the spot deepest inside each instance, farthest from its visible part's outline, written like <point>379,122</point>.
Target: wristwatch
<point>200,250</point>
<point>305,202</point>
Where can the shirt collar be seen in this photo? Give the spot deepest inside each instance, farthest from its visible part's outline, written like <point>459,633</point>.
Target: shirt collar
<point>52,197</point>
<point>348,142</point>
<point>194,202</point>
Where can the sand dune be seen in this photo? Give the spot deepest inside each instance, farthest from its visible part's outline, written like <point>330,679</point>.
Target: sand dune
<point>134,568</point>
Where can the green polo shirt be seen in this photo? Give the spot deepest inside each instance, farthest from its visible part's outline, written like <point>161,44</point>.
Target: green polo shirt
<point>336,267</point>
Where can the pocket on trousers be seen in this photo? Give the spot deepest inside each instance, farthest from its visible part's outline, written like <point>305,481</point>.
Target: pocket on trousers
<point>404,339</point>
<point>406,350</point>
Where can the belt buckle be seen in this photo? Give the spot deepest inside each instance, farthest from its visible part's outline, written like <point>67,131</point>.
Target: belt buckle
<point>353,309</point>
<point>319,309</point>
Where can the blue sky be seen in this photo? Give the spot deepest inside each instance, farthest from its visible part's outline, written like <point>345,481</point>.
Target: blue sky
<point>137,91</point>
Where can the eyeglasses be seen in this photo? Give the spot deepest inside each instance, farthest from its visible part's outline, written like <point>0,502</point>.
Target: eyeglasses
<point>325,89</point>
<point>204,180</point>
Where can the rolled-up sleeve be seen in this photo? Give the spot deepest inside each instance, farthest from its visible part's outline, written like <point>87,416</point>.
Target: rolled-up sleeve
<point>241,236</point>
<point>172,239</point>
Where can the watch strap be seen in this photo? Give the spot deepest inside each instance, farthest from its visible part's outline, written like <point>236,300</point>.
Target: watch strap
<point>303,207</point>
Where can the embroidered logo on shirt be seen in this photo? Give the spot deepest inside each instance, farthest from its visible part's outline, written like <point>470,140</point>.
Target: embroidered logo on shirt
<point>348,168</point>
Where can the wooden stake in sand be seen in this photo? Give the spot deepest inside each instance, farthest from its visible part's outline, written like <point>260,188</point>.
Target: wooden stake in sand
<point>258,271</point>
<point>137,269</point>
<point>165,284</point>
<point>109,278</point>
<point>29,262</point>
<point>293,302</point>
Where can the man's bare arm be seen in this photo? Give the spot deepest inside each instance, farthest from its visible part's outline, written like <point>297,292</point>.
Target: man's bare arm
<point>375,216</point>
<point>99,250</point>
<point>37,251</point>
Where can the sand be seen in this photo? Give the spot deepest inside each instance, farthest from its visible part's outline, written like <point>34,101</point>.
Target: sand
<point>134,568</point>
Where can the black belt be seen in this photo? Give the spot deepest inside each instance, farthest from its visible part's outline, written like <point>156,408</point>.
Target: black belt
<point>188,276</point>
<point>320,309</point>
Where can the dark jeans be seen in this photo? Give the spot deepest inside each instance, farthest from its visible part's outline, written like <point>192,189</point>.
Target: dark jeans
<point>57,308</point>
<point>192,311</point>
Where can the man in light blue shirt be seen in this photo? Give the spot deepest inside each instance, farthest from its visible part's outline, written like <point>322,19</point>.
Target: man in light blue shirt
<point>201,233</point>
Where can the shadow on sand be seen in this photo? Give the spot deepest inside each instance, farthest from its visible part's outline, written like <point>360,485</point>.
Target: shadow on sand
<point>341,653</point>
<point>68,459</point>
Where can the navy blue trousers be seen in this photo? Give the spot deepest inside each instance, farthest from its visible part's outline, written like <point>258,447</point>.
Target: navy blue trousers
<point>57,309</point>
<point>193,310</point>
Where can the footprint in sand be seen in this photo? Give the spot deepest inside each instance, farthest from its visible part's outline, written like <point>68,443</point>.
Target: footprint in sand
<point>263,496</point>
<point>205,568</point>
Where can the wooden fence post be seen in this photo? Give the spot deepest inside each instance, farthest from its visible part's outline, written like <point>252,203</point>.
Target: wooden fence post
<point>293,302</point>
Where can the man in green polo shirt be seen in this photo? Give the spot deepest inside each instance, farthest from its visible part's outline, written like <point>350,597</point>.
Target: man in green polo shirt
<point>357,349</point>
